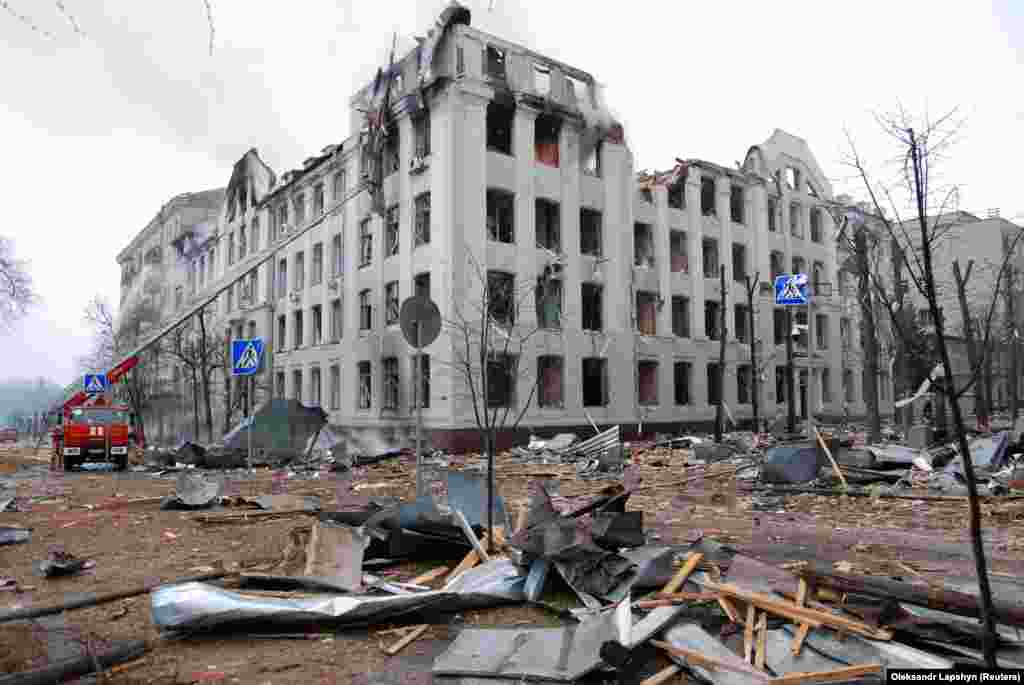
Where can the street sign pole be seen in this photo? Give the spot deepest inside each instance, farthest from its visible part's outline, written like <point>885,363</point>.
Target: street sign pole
<point>420,321</point>
<point>419,411</point>
<point>790,370</point>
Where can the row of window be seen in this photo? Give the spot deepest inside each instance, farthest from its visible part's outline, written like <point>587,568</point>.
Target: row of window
<point>313,394</point>
<point>420,236</point>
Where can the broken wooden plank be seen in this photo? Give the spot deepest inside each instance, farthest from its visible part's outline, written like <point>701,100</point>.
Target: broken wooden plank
<point>801,633</point>
<point>748,634</point>
<point>762,635</point>
<point>828,453</point>
<point>678,598</point>
<point>524,512</point>
<point>460,518</point>
<point>698,659</point>
<point>663,676</point>
<point>839,674</point>
<point>410,637</point>
<point>677,581</point>
<point>469,561</point>
<point>729,609</point>
<point>429,576</point>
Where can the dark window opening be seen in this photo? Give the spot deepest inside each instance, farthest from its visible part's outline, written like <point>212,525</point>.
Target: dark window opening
<point>549,303</point>
<point>647,313</point>
<point>643,245</point>
<point>709,249</point>
<point>682,373</point>
<point>391,150</point>
<point>297,329</point>
<point>282,329</point>
<point>780,383</point>
<point>592,159</point>
<point>391,304</point>
<point>500,216</point>
<point>779,325</point>
<point>647,382</point>
<point>816,225</point>
<point>794,221</point>
<point>737,210</point>
<point>336,323</point>
<point>546,132</point>
<point>296,385</point>
<point>593,307</point>
<point>421,285</point>
<point>317,275</point>
<point>677,195</point>
<point>365,243</point>
<point>712,319</point>
<point>826,385</point>
<point>714,384</point>
<point>318,199</point>
<point>743,383</point>
<point>799,265</point>
<point>595,382</point>
<point>421,134</point>
<point>739,262</point>
<point>494,63</point>
<point>548,225</point>
<point>499,127</point>
<point>590,232</point>
<point>821,331</point>
<point>677,252</point>
<point>391,231</point>
<point>773,214</point>
<point>365,311</point>
<point>501,297</point>
<point>365,399</point>
<point>318,324</point>
<point>501,379</point>
<point>741,314</point>
<point>315,387</point>
<point>549,382</point>
<point>421,228</point>
<point>778,264</point>
<point>389,367</point>
<point>707,196</point>
<point>800,324</point>
<point>680,316</point>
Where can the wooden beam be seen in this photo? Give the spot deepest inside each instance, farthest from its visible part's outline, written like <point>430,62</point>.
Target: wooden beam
<point>840,674</point>
<point>674,599</point>
<point>429,576</point>
<point>762,636</point>
<point>801,633</point>
<point>729,609</point>
<point>698,659</point>
<point>828,453</point>
<point>677,581</point>
<point>410,637</point>
<point>663,676</point>
<point>748,634</point>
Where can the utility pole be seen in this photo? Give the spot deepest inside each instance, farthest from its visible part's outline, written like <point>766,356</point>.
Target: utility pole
<point>755,400</point>
<point>719,409</point>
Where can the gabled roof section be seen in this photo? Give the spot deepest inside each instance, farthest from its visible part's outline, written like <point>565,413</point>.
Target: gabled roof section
<point>782,150</point>
<point>251,181</point>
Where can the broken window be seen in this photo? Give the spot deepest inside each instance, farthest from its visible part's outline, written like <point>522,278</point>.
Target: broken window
<point>677,252</point>
<point>680,316</point>
<point>391,150</point>
<point>739,262</point>
<point>391,232</point>
<point>795,228</point>
<point>819,281</point>
<point>780,384</point>
<point>707,196</point>
<point>499,127</point>
<point>300,209</point>
<point>494,63</point>
<point>792,178</point>
<point>279,382</point>
<point>300,271</point>
<point>816,225</point>
<point>643,245</point>
<point>229,297</point>
<point>590,232</point>
<point>421,134</point>
<point>317,275</point>
<point>799,264</point>
<point>848,385</point>
<point>421,227</point>
<point>647,195</point>
<point>593,307</point>
<point>549,303</point>
<point>389,366</point>
<point>592,159</point>
<point>391,305</point>
<point>709,249</point>
<point>647,382</point>
<point>282,329</point>
<point>737,209</point>
<point>647,313</point>
<point>242,243</point>
<point>365,311</point>
<point>773,214</point>
<point>501,380</point>
<point>548,225</point>
<point>365,243</point>
<point>297,332</point>
<point>501,297</point>
<point>231,249</point>
<point>338,191</point>
<point>421,285</point>
<point>744,375</point>
<point>821,331</point>
<point>336,323</point>
<point>336,255</point>
<point>365,398</point>
<point>318,324</point>
<point>297,385</point>
<point>677,195</point>
<point>549,382</point>
<point>778,264</point>
<point>282,278</point>
<point>741,314</point>
<point>712,318</point>
<point>800,324</point>
<point>844,332</point>
<point>318,199</point>
<point>424,380</point>
<point>541,79</point>
<point>335,389</point>
<point>682,372</point>
<point>595,382</point>
<point>282,220</point>
<point>826,385</point>
<point>714,384</point>
<point>315,387</point>
<point>546,131</point>
<point>500,216</point>
<point>254,234</point>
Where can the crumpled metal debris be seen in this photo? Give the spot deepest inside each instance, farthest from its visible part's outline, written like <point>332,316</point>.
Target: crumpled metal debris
<point>193,491</point>
<point>61,563</point>
<point>198,606</point>
<point>13,536</point>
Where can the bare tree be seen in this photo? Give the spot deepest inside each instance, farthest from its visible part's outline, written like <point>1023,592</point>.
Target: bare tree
<point>921,147</point>
<point>488,337</point>
<point>16,292</point>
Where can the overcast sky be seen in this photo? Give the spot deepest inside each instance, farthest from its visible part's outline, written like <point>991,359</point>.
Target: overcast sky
<point>100,128</point>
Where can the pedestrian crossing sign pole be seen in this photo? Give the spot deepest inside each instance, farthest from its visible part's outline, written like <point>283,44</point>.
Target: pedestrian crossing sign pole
<point>247,360</point>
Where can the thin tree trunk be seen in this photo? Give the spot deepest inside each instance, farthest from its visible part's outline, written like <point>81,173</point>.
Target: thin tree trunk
<point>204,368</point>
<point>195,404</point>
<point>989,639</point>
<point>1014,379</point>
<point>976,363</point>
<point>869,336</point>
<point>755,380</point>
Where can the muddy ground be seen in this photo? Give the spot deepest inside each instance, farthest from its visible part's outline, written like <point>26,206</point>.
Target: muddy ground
<point>139,543</point>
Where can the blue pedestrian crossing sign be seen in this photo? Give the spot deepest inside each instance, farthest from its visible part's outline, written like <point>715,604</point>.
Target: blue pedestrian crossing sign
<point>95,383</point>
<point>246,356</point>
<point>791,289</point>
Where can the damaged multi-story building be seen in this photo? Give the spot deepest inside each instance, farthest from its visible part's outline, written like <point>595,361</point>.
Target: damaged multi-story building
<point>475,162</point>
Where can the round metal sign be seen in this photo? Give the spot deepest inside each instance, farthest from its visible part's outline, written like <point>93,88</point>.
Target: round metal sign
<point>422,311</point>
